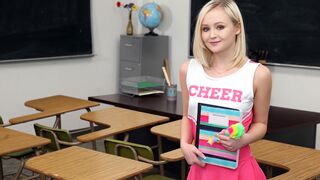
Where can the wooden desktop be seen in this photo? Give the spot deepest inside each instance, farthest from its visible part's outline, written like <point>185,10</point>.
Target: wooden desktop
<point>118,120</point>
<point>53,106</point>
<point>81,164</point>
<point>13,141</point>
<point>285,125</point>
<point>297,162</point>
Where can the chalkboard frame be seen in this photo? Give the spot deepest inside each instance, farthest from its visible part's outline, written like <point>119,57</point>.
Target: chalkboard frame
<point>314,61</point>
<point>63,31</point>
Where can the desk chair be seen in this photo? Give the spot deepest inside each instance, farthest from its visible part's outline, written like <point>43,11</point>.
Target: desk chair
<point>136,152</point>
<point>22,156</point>
<point>60,138</point>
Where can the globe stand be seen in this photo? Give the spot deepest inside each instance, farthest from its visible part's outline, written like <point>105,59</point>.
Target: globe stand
<point>151,33</point>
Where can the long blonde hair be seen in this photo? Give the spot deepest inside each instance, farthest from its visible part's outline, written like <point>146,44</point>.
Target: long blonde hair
<point>201,53</point>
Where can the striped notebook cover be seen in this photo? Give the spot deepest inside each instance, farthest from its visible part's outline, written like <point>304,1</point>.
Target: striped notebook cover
<point>211,120</point>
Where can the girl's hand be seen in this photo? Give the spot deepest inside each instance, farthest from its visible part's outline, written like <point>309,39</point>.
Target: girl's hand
<point>228,143</point>
<point>191,154</point>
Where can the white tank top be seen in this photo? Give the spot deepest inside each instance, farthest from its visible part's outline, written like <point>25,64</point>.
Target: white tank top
<point>232,91</point>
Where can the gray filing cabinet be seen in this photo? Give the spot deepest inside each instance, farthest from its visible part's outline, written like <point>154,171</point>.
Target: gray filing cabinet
<point>142,55</point>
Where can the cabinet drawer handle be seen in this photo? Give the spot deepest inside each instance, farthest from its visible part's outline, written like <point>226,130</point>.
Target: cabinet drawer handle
<point>128,45</point>
<point>128,68</point>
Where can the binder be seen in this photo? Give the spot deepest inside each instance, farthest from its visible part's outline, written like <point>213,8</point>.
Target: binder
<point>211,120</point>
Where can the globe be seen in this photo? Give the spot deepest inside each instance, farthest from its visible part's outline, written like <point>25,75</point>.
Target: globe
<point>150,16</point>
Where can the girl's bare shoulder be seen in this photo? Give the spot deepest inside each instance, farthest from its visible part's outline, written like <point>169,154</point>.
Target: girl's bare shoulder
<point>184,67</point>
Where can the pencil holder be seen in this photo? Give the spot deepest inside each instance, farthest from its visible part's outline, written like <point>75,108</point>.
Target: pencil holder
<point>172,92</point>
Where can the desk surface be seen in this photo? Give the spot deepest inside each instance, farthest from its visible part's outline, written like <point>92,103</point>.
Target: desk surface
<point>79,163</point>
<point>60,102</point>
<point>170,130</point>
<point>118,120</point>
<point>52,106</point>
<point>302,163</point>
<point>279,118</point>
<point>12,141</point>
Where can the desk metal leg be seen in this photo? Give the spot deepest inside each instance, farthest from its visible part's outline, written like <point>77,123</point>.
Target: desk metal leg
<point>126,137</point>
<point>18,173</point>
<point>183,169</point>
<point>269,172</point>
<point>160,152</point>
<point>1,169</point>
<point>57,123</point>
<point>94,144</point>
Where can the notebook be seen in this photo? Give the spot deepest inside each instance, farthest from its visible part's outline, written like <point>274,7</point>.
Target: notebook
<point>210,121</point>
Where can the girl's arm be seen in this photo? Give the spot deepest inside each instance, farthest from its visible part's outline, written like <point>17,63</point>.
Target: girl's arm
<point>190,152</point>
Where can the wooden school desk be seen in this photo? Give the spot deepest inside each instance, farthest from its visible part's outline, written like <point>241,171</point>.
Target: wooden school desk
<point>118,120</point>
<point>171,131</point>
<point>53,106</point>
<point>13,141</point>
<point>301,163</point>
<point>77,163</point>
<point>283,123</point>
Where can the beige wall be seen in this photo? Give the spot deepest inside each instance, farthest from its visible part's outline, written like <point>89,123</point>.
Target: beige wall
<point>292,87</point>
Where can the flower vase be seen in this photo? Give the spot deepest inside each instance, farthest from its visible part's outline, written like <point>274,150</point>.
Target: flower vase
<point>130,26</point>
